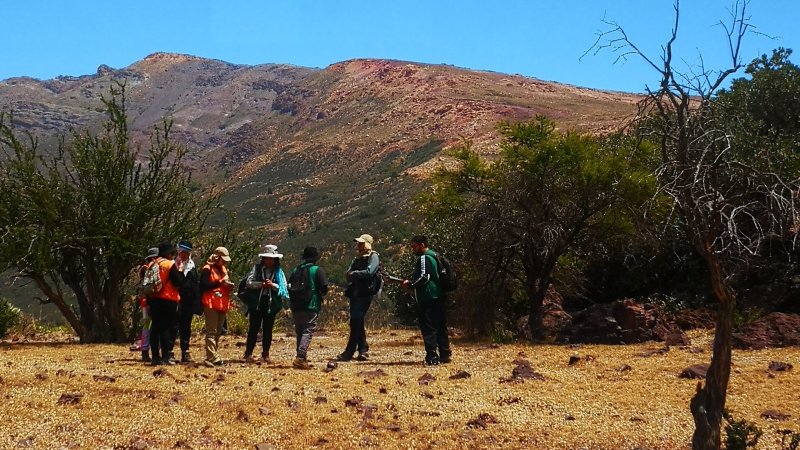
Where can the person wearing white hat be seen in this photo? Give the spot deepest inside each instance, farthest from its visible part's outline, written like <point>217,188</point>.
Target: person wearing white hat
<point>363,285</point>
<point>265,293</point>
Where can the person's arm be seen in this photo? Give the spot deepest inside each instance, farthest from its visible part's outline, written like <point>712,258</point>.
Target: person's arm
<point>252,283</point>
<point>321,281</point>
<point>191,285</point>
<point>176,276</point>
<point>205,281</point>
<point>424,273</point>
<point>369,272</point>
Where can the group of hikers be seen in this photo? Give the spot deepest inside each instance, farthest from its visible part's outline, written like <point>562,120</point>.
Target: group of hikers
<point>173,291</point>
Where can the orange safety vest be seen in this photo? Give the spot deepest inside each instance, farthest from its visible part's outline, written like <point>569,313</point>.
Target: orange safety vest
<point>168,290</point>
<point>218,298</point>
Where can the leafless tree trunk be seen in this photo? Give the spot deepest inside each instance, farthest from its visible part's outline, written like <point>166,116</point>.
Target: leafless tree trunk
<point>729,206</point>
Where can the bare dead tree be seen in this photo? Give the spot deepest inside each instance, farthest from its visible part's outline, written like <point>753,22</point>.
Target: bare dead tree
<point>730,203</point>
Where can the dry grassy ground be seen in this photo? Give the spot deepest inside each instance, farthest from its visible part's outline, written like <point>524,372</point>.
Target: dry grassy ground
<point>381,403</point>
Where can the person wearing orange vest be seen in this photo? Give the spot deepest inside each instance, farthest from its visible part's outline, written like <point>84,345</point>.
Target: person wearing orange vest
<point>164,305</point>
<point>215,288</point>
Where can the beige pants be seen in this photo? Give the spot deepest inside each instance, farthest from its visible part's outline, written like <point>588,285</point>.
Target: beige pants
<point>214,321</point>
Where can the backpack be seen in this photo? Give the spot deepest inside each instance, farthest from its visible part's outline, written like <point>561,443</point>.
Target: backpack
<point>151,283</point>
<point>376,284</point>
<point>300,285</point>
<point>448,281</point>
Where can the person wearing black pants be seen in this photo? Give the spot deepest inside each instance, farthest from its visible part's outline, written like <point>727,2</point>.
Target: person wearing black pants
<point>164,305</point>
<point>190,298</point>
<point>431,302</point>
<point>364,283</point>
<point>433,325</point>
<point>265,292</point>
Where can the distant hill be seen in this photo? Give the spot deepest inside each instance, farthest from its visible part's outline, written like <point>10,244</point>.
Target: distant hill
<point>313,155</point>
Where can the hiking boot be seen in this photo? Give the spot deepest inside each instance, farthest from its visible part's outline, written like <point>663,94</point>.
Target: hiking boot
<point>265,358</point>
<point>248,358</point>
<point>301,363</point>
<point>364,356</point>
<point>446,357</point>
<point>432,360</point>
<point>344,357</point>
<point>155,362</point>
<point>186,357</point>
<point>146,356</point>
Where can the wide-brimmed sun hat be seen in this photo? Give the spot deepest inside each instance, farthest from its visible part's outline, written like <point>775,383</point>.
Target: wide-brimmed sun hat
<point>270,251</point>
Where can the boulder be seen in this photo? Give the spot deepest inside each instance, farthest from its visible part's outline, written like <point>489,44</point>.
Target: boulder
<point>692,319</point>
<point>771,331</point>
<point>622,322</point>
<point>554,318</point>
<point>695,371</point>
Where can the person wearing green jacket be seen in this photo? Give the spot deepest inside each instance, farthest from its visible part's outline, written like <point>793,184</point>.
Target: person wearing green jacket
<point>309,278</point>
<point>431,302</point>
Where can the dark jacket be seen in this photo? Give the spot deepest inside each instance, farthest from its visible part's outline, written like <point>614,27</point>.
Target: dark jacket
<point>261,298</point>
<point>363,279</point>
<point>190,291</point>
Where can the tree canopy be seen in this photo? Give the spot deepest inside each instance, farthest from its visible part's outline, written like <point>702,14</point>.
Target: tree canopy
<point>547,190</point>
<point>77,221</point>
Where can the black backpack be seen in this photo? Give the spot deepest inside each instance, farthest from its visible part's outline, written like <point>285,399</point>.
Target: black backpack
<point>448,281</point>
<point>300,286</point>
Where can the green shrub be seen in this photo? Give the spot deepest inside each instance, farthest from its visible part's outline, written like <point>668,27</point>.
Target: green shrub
<point>740,434</point>
<point>744,317</point>
<point>237,322</point>
<point>9,316</point>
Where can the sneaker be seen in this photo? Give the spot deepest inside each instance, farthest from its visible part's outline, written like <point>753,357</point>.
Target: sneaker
<point>343,357</point>
<point>169,362</point>
<point>186,357</point>
<point>218,362</point>
<point>301,363</point>
<point>265,358</point>
<point>364,356</point>
<point>432,360</point>
<point>248,358</point>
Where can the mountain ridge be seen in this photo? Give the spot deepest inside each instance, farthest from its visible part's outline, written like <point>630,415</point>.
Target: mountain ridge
<point>308,139</point>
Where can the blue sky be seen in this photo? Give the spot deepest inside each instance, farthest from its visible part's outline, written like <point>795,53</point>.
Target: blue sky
<point>537,38</point>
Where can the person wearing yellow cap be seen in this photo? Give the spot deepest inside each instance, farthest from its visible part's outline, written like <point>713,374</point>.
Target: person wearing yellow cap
<point>215,288</point>
<point>363,285</point>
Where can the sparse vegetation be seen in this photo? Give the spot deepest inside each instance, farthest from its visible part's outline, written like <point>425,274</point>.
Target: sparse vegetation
<point>10,316</point>
<point>99,396</point>
<point>740,434</point>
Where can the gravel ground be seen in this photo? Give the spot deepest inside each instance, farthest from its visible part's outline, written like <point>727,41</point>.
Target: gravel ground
<point>65,395</point>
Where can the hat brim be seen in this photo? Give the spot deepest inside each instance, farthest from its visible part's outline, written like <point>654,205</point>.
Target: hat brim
<point>358,239</point>
<point>225,258</point>
<point>270,255</point>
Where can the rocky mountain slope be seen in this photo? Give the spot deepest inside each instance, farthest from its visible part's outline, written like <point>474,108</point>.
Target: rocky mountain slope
<point>312,152</point>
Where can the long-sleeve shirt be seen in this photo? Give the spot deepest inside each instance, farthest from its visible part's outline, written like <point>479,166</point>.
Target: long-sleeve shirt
<point>425,280</point>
